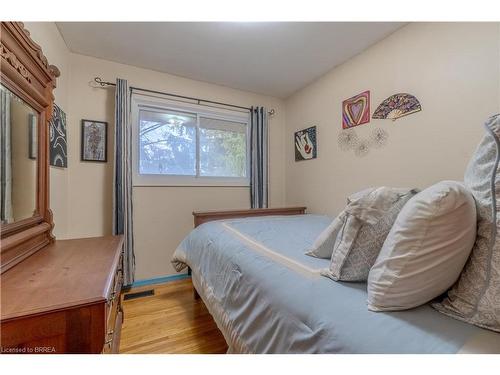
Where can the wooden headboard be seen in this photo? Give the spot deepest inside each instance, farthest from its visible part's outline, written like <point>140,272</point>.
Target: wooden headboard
<point>201,217</point>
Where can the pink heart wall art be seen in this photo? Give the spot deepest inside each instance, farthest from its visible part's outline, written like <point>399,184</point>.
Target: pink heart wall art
<point>356,110</point>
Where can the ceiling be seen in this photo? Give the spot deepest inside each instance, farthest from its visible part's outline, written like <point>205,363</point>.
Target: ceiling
<point>276,58</point>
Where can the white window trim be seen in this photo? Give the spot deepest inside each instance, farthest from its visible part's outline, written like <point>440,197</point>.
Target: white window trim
<point>159,103</point>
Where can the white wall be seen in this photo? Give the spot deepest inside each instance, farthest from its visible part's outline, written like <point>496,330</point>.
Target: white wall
<point>81,195</point>
<point>47,35</point>
<point>162,215</point>
<point>452,68</point>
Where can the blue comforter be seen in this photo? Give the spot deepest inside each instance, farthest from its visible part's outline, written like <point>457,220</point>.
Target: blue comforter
<point>266,296</point>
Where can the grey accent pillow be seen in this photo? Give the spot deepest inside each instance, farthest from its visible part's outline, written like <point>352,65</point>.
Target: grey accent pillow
<point>323,245</point>
<point>475,298</point>
<point>366,222</point>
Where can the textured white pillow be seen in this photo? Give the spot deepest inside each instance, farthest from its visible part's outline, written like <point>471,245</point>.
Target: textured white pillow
<point>323,245</point>
<point>365,225</point>
<point>378,202</point>
<point>426,249</point>
<point>360,194</point>
<point>475,298</point>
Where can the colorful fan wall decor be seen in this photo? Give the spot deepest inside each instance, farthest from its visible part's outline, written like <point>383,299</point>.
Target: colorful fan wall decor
<point>396,106</point>
<point>356,110</point>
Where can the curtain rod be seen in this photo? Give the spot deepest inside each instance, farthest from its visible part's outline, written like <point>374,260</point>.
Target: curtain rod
<point>102,83</point>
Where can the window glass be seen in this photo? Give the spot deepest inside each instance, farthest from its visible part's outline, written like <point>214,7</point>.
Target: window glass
<point>223,148</point>
<point>167,143</point>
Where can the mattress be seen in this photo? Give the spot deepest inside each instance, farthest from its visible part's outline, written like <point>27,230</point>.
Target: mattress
<point>266,296</point>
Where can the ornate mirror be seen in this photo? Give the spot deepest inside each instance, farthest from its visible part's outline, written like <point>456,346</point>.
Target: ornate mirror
<point>26,100</point>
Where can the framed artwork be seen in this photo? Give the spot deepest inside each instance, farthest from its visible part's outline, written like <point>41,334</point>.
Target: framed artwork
<point>356,110</point>
<point>396,106</point>
<point>94,141</point>
<point>306,144</point>
<point>32,138</point>
<point>58,145</point>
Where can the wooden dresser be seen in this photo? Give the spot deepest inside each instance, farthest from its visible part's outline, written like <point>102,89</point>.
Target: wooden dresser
<point>64,298</point>
<point>56,296</point>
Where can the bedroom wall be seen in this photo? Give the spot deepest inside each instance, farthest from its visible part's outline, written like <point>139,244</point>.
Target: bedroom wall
<point>54,48</point>
<point>452,68</point>
<point>81,195</point>
<point>447,66</point>
<point>162,215</point>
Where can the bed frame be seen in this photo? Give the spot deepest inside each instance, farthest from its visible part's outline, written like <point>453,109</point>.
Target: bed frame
<point>201,217</point>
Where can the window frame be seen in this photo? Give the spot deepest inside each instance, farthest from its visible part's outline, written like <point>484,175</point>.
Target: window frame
<point>161,104</point>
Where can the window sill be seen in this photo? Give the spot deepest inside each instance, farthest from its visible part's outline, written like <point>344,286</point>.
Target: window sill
<point>187,181</point>
<point>192,185</point>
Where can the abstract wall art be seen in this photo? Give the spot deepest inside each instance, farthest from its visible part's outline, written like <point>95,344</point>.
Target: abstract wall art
<point>57,137</point>
<point>94,140</point>
<point>306,147</point>
<point>356,110</point>
<point>396,106</point>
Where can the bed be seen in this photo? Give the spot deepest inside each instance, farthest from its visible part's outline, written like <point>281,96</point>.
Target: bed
<point>266,296</point>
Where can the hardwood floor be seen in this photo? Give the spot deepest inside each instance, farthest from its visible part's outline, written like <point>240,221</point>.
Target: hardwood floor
<point>171,321</point>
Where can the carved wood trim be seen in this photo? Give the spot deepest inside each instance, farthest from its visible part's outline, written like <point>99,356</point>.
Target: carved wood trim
<point>25,71</point>
<point>12,60</point>
<point>18,226</point>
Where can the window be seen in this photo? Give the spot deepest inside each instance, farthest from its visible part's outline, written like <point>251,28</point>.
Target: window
<point>189,145</point>
<point>167,143</point>
<point>223,148</point>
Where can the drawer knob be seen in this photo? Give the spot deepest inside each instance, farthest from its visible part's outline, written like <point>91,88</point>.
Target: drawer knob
<point>109,342</point>
<point>111,298</point>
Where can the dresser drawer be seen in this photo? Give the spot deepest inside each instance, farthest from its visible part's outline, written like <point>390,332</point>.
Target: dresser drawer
<point>114,313</point>
<point>113,299</point>
<point>112,343</point>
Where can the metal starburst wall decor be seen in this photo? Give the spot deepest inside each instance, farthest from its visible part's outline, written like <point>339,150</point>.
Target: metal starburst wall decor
<point>378,137</point>
<point>349,140</point>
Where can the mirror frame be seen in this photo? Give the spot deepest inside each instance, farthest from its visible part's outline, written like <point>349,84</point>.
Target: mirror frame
<point>24,70</point>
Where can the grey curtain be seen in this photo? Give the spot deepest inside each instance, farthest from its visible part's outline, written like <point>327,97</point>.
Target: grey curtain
<point>122,196</point>
<point>258,157</point>
<point>5,159</point>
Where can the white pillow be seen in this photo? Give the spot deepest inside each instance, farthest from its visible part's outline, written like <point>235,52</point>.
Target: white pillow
<point>426,249</point>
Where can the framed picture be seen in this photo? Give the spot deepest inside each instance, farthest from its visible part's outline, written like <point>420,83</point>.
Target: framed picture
<point>305,144</point>
<point>58,145</point>
<point>32,138</point>
<point>94,141</point>
<point>356,110</point>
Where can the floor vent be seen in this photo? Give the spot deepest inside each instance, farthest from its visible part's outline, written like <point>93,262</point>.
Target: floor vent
<point>144,293</point>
